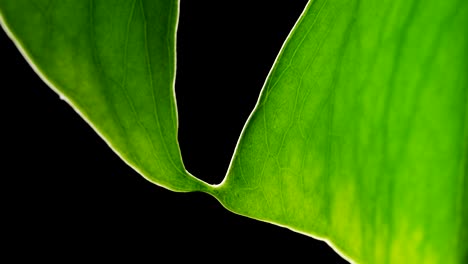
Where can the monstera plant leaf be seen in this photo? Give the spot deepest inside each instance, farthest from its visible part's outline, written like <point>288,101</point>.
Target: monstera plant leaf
<point>359,136</point>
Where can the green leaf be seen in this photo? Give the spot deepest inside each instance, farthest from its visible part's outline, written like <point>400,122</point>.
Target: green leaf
<point>359,136</point>
<point>114,62</point>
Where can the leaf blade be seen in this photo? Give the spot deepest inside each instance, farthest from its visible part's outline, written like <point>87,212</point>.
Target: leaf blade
<point>115,64</point>
<point>303,161</point>
<point>347,158</point>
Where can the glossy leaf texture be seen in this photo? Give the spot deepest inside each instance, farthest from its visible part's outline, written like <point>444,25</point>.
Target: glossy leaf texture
<point>359,136</point>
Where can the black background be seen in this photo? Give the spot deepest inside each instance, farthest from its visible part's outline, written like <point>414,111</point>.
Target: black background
<point>68,196</point>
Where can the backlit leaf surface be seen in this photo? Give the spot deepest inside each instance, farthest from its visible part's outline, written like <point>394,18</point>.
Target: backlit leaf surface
<point>359,135</point>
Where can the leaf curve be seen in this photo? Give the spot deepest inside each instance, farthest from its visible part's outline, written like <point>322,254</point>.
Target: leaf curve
<point>361,131</point>
<point>375,123</point>
<point>117,73</point>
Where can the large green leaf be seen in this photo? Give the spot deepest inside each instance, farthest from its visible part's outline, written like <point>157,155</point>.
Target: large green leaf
<point>114,62</point>
<point>359,137</point>
<point>360,134</point>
